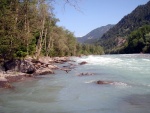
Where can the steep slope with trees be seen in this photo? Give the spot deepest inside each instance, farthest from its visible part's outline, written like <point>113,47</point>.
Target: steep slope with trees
<point>139,17</point>
<point>138,41</point>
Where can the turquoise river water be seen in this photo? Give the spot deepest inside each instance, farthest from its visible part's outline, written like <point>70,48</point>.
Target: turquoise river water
<point>69,93</point>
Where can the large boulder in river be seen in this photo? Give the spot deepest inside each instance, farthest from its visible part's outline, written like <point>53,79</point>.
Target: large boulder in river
<point>26,67</point>
<point>10,65</point>
<point>23,66</point>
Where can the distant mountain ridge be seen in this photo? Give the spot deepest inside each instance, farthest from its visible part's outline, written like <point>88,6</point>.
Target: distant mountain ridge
<point>94,34</point>
<point>137,18</point>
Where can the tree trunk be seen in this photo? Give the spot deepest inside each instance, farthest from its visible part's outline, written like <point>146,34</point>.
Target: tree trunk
<point>43,13</point>
<point>40,40</point>
<point>49,43</point>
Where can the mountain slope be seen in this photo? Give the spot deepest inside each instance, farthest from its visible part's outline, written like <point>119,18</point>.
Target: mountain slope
<point>94,34</point>
<point>137,18</point>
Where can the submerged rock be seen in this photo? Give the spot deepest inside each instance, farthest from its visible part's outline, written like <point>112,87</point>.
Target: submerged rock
<point>5,84</point>
<point>86,74</point>
<point>138,100</point>
<point>15,78</point>
<point>10,77</point>
<point>111,83</point>
<point>103,82</point>
<point>82,63</point>
<point>70,66</point>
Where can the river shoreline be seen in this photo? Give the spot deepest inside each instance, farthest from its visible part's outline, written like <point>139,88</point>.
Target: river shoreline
<point>43,66</point>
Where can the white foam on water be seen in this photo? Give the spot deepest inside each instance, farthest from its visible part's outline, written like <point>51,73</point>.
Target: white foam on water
<point>119,84</point>
<point>146,60</point>
<point>124,62</point>
<point>99,60</point>
<point>91,81</point>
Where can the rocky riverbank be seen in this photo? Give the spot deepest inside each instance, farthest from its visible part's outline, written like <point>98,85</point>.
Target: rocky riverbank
<point>20,70</point>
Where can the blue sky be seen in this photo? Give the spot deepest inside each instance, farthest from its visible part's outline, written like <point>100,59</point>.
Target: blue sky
<point>93,14</point>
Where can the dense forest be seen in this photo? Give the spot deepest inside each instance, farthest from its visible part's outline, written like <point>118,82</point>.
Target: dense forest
<point>137,42</point>
<point>28,27</point>
<point>117,35</point>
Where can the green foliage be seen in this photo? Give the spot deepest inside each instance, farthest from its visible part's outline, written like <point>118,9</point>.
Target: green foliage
<point>21,52</point>
<point>32,46</point>
<point>138,41</point>
<point>88,49</point>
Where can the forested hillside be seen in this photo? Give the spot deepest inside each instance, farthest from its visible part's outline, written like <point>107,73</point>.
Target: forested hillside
<point>28,27</point>
<point>117,35</point>
<point>137,42</point>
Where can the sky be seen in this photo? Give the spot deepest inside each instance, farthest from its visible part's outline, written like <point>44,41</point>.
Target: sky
<point>92,14</point>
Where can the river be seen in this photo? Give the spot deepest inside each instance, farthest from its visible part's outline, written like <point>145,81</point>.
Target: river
<point>68,93</point>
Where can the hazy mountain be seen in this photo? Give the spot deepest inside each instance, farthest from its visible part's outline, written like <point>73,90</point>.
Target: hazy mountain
<point>137,18</point>
<point>94,34</point>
